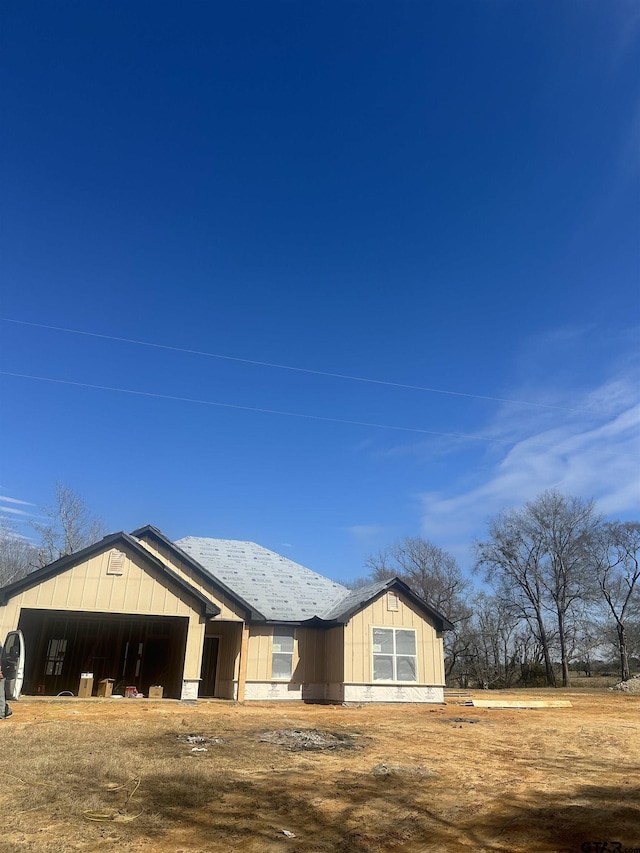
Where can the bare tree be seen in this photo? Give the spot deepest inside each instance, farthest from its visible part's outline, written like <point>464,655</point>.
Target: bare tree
<point>565,525</point>
<point>632,634</point>
<point>539,558</point>
<point>432,573</point>
<point>18,556</point>
<point>494,652</point>
<point>589,634</point>
<point>358,583</point>
<point>70,528</point>
<point>511,560</point>
<point>615,553</point>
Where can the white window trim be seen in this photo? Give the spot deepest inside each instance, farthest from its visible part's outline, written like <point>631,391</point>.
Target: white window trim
<point>393,628</point>
<point>280,679</point>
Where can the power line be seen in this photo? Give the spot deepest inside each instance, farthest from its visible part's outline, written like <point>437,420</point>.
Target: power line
<point>292,368</point>
<point>254,408</point>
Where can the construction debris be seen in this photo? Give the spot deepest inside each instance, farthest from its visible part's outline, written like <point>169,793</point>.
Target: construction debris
<point>309,739</point>
<point>632,685</point>
<point>419,772</point>
<point>199,740</point>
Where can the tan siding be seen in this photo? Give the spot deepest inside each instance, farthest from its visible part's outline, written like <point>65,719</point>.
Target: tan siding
<point>229,609</point>
<point>259,653</point>
<point>87,587</point>
<point>311,656</point>
<point>358,641</point>
<point>334,655</point>
<point>9,616</point>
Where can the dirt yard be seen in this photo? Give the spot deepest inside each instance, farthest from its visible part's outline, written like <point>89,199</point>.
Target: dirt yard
<point>162,777</point>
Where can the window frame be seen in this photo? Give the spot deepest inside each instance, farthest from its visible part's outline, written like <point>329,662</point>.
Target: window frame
<point>292,636</point>
<point>394,655</point>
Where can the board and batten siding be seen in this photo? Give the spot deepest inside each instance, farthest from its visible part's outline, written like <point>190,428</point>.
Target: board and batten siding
<point>88,587</point>
<point>311,656</point>
<point>358,641</point>
<point>334,655</point>
<point>259,653</point>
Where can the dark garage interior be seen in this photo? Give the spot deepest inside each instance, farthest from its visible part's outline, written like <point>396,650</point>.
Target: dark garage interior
<point>131,650</point>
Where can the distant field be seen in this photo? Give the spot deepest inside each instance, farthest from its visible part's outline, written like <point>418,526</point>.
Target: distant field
<point>101,775</point>
<point>596,682</point>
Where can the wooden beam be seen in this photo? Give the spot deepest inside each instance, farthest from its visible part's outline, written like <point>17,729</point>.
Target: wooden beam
<point>242,672</point>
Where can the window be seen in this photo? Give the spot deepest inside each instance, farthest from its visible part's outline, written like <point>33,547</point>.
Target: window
<point>394,654</point>
<point>55,657</point>
<point>282,653</point>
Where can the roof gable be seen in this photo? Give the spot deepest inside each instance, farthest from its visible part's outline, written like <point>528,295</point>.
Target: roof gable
<point>360,598</point>
<point>207,607</point>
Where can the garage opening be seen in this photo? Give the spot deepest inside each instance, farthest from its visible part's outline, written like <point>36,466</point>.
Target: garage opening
<point>134,651</point>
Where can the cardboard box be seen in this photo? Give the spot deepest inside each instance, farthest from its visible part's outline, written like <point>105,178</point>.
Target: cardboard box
<point>86,685</point>
<point>156,691</point>
<point>105,687</point>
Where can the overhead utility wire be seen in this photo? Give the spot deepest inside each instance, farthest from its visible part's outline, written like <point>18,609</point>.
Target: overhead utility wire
<point>298,369</point>
<point>253,408</point>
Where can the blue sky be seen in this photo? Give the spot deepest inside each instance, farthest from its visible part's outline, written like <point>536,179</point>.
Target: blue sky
<point>437,195</point>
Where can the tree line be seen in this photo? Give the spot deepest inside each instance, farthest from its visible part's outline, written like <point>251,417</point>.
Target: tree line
<point>562,588</point>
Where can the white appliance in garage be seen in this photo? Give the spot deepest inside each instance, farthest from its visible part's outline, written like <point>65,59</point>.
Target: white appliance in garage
<point>13,664</point>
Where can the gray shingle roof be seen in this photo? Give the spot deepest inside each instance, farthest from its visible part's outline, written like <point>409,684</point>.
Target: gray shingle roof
<point>277,587</point>
<point>353,600</point>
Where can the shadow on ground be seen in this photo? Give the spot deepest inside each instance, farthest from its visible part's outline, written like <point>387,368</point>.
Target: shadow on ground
<point>365,812</point>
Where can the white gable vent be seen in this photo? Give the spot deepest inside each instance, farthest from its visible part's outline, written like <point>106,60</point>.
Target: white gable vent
<point>115,565</point>
<point>392,600</point>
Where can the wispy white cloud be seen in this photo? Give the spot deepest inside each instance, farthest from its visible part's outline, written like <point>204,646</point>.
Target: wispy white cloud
<point>13,511</point>
<point>591,456</point>
<point>12,514</point>
<point>5,499</point>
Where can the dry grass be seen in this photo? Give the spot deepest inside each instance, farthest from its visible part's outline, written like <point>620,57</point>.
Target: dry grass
<point>420,778</point>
